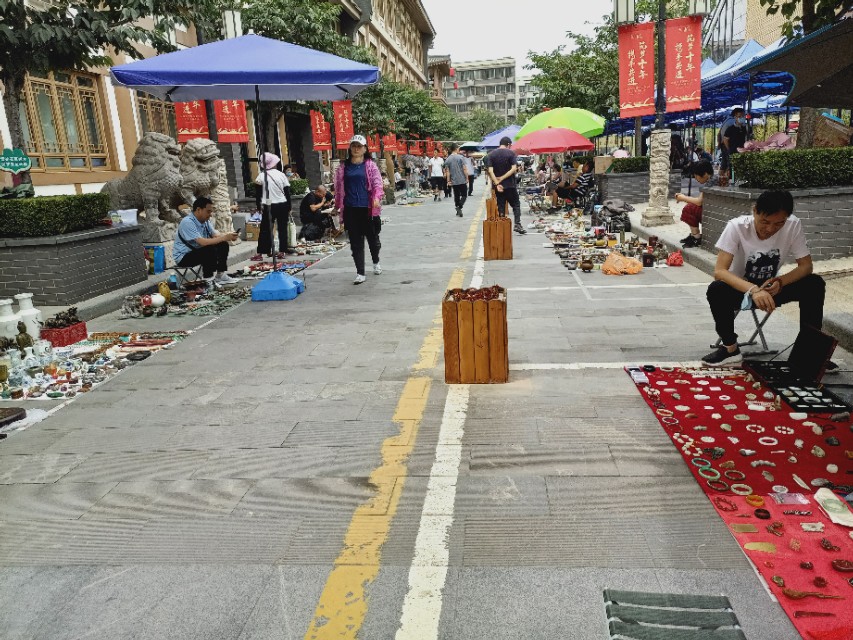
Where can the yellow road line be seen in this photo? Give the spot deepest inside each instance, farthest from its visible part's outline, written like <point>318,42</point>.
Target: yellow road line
<point>342,606</point>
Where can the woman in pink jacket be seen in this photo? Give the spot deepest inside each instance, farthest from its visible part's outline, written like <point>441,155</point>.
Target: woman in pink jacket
<point>358,197</point>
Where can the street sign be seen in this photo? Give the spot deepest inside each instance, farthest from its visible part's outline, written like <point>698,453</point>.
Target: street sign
<point>15,161</point>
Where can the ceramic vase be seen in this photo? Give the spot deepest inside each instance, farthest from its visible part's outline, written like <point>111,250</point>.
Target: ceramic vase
<point>157,300</point>
<point>29,314</point>
<point>8,320</point>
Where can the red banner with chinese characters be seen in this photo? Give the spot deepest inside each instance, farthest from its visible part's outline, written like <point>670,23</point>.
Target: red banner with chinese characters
<point>344,130</point>
<point>373,143</point>
<point>191,120</point>
<point>683,64</point>
<point>430,146</point>
<point>321,132</point>
<point>231,125</point>
<point>402,147</point>
<point>389,141</point>
<point>636,70</point>
<point>415,148</point>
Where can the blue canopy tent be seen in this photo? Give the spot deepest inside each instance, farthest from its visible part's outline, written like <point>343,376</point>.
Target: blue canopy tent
<point>493,139</point>
<point>255,68</point>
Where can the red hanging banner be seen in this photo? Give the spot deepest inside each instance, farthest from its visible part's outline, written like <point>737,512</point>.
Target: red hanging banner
<point>636,70</point>
<point>430,146</point>
<point>373,143</point>
<point>402,147</point>
<point>321,132</point>
<point>344,130</point>
<point>683,64</point>
<point>415,148</point>
<point>231,125</point>
<point>389,141</point>
<point>191,120</point>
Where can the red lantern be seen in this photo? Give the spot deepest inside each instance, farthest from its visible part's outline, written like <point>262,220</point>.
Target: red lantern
<point>452,72</point>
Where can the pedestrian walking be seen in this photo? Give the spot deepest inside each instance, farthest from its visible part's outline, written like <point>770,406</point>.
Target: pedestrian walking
<point>445,184</point>
<point>472,171</point>
<point>275,190</point>
<point>358,198</point>
<point>436,175</point>
<point>456,173</point>
<point>502,170</point>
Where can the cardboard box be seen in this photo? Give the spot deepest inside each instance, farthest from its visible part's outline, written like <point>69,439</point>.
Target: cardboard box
<point>253,231</point>
<point>602,163</point>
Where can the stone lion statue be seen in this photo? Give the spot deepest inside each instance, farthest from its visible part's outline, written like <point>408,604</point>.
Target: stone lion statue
<point>153,180</point>
<point>204,174</point>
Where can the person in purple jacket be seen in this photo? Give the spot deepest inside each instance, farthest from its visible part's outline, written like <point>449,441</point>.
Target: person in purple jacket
<point>358,198</point>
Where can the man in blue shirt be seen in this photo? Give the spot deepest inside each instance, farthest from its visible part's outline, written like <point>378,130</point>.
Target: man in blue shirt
<point>502,169</point>
<point>198,244</point>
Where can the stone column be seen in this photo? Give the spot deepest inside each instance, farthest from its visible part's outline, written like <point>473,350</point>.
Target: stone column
<point>658,212</point>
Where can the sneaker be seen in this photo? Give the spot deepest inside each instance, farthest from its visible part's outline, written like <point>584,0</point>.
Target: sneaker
<point>377,269</point>
<point>224,278</point>
<point>692,242</point>
<point>720,357</point>
<point>519,229</point>
<point>831,368</point>
<point>359,279</point>
<point>459,211</point>
<point>685,240</point>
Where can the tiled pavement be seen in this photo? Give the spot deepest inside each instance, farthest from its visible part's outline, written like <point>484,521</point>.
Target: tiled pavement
<point>205,493</point>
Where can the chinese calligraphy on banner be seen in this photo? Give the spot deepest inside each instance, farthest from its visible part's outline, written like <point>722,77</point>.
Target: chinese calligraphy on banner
<point>389,141</point>
<point>415,148</point>
<point>636,70</point>
<point>373,143</point>
<point>402,147</point>
<point>191,120</point>
<point>683,63</point>
<point>231,125</point>
<point>430,146</point>
<point>344,130</point>
<point>321,132</point>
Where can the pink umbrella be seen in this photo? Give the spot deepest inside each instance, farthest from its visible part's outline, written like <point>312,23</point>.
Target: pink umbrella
<point>553,140</point>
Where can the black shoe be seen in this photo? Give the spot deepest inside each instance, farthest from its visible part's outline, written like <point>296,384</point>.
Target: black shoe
<point>519,229</point>
<point>831,368</point>
<point>685,240</point>
<point>692,242</point>
<point>459,211</point>
<point>721,357</point>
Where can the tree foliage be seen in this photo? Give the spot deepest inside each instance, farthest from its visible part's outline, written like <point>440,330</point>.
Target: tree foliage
<point>804,16</point>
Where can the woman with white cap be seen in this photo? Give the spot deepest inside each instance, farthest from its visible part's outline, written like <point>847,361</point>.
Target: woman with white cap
<point>358,198</point>
<point>276,194</point>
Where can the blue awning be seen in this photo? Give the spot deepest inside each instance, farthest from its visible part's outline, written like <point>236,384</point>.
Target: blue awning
<point>232,69</point>
<point>493,139</point>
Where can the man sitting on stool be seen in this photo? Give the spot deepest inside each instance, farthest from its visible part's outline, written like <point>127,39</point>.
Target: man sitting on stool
<point>198,244</point>
<point>752,249</point>
<point>314,214</point>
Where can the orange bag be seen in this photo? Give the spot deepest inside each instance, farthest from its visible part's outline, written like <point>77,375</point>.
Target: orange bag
<point>675,259</point>
<point>616,265</point>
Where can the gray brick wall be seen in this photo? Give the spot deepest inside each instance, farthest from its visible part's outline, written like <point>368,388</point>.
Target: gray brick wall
<point>64,270</point>
<point>826,213</point>
<point>633,188</point>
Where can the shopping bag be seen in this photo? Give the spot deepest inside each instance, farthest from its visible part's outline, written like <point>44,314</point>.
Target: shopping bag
<point>675,259</point>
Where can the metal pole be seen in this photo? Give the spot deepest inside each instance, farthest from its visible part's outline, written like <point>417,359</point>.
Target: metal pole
<point>265,207</point>
<point>660,102</point>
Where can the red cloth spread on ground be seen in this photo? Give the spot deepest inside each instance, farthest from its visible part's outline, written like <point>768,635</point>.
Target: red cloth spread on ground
<point>712,416</point>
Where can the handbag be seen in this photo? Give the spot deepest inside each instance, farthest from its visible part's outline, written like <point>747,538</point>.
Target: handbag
<point>675,259</point>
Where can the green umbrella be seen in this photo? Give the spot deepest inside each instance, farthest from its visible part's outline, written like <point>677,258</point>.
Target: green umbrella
<point>580,121</point>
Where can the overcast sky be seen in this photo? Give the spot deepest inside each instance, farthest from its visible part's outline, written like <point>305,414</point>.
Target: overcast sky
<point>476,30</point>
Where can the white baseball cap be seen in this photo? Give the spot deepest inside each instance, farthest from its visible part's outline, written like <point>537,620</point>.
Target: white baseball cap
<point>359,139</point>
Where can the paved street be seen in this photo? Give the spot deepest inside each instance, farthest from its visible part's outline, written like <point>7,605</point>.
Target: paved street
<point>290,469</point>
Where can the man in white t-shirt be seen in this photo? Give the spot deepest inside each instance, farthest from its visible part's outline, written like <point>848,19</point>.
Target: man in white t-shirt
<point>436,175</point>
<point>752,248</point>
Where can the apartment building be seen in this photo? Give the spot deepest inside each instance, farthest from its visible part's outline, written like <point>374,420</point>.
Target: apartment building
<point>483,84</point>
<point>527,93</point>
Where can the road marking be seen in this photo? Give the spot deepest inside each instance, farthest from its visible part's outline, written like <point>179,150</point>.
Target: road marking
<point>581,285</point>
<point>668,285</point>
<point>342,606</point>
<point>428,574</point>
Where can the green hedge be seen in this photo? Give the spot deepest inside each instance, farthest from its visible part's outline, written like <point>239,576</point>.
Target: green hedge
<point>298,186</point>
<point>794,169</point>
<point>51,215</point>
<point>629,165</point>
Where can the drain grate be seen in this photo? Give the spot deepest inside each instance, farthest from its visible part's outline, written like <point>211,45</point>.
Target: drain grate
<point>634,615</point>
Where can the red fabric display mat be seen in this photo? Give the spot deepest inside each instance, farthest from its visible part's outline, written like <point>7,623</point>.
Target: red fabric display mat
<point>744,447</point>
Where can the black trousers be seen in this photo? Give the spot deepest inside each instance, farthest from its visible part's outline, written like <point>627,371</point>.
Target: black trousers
<point>460,195</point>
<point>360,227</point>
<point>725,300</point>
<point>213,257</point>
<point>280,213</point>
<point>446,186</point>
<point>471,185</point>
<point>510,196</point>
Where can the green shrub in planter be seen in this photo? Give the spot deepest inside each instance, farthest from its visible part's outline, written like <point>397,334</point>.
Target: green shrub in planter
<point>630,165</point>
<point>794,169</point>
<point>52,215</point>
<point>249,188</point>
<point>298,186</point>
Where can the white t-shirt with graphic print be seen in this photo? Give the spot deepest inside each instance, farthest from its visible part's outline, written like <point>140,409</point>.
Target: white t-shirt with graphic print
<point>758,260</point>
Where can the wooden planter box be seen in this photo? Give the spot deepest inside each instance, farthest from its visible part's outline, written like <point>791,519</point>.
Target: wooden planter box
<point>475,340</point>
<point>497,234</point>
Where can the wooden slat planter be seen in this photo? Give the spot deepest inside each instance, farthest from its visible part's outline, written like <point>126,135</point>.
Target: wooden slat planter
<point>475,340</point>
<point>497,234</point>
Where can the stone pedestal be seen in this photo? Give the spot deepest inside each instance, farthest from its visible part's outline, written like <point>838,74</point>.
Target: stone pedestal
<point>658,212</point>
